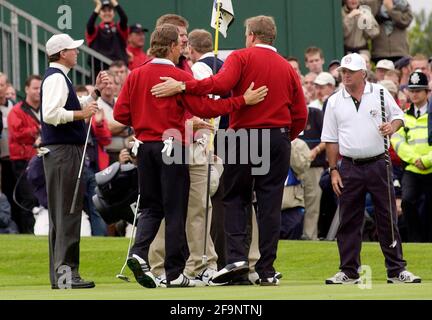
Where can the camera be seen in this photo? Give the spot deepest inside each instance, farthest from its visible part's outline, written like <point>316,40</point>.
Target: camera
<point>116,191</point>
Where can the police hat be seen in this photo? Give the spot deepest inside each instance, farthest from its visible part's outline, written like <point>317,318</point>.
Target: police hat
<point>418,81</point>
<point>137,27</point>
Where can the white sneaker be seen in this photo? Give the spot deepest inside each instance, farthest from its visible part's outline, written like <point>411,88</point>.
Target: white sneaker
<point>273,281</point>
<point>405,277</point>
<point>159,280</point>
<point>181,282</point>
<point>204,278</point>
<point>341,278</point>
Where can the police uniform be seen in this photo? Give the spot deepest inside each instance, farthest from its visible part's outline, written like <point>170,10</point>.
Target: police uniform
<point>354,125</point>
<point>410,144</point>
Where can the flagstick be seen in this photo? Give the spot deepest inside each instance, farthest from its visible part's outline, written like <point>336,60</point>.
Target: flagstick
<point>210,144</point>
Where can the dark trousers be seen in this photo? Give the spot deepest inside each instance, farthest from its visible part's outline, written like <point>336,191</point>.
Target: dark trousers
<point>164,190</point>
<point>217,230</point>
<point>24,196</point>
<point>358,180</point>
<point>98,225</point>
<point>239,183</point>
<point>61,166</point>
<point>414,187</point>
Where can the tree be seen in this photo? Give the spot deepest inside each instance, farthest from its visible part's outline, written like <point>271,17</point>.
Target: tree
<point>420,36</point>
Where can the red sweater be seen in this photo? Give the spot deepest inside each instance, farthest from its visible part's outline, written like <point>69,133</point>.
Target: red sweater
<point>284,106</point>
<point>23,131</point>
<point>151,117</point>
<point>139,57</point>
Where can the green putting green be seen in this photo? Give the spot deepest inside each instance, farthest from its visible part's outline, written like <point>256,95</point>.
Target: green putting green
<point>304,265</point>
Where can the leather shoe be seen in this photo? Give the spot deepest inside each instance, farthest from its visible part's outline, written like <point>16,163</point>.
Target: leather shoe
<point>77,283</point>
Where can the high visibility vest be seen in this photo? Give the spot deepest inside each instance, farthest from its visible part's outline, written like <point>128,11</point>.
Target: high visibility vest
<point>411,142</point>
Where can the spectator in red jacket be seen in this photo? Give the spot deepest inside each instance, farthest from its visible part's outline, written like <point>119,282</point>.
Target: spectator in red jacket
<point>279,118</point>
<point>24,128</point>
<point>135,49</point>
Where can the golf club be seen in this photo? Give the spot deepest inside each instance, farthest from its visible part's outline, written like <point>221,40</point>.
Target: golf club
<point>72,210</point>
<point>387,160</point>
<point>121,276</point>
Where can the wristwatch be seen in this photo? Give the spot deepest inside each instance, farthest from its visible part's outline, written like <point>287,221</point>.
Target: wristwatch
<point>183,87</point>
<point>330,169</point>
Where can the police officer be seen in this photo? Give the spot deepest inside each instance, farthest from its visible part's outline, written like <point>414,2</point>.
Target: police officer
<point>411,145</point>
<point>353,128</point>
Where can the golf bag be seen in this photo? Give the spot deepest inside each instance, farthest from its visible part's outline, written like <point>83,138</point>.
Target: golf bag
<point>116,191</point>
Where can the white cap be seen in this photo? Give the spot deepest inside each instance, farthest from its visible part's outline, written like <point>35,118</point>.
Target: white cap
<point>59,42</point>
<point>385,64</point>
<point>353,62</point>
<point>325,78</point>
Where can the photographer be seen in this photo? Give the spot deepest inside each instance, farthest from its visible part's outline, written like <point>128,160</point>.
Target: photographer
<point>359,25</point>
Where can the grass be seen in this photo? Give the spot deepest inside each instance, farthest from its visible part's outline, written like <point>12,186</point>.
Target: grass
<point>304,264</point>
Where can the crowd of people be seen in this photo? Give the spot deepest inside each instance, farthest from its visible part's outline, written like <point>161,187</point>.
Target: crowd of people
<point>247,213</point>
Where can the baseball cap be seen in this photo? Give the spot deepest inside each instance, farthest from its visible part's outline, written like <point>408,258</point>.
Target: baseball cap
<point>59,42</point>
<point>137,27</point>
<point>389,85</point>
<point>418,80</point>
<point>402,62</point>
<point>106,3</point>
<point>325,78</point>
<point>353,62</point>
<point>385,64</point>
<point>332,63</point>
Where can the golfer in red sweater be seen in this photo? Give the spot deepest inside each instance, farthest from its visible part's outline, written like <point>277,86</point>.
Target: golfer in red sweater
<point>281,116</point>
<point>163,180</point>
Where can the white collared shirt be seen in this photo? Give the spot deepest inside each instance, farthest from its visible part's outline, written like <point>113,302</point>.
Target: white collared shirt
<point>422,109</point>
<point>200,69</point>
<point>357,132</point>
<point>55,94</point>
<point>266,46</point>
<point>162,61</point>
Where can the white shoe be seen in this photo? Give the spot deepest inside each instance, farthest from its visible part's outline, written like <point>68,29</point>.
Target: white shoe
<point>405,277</point>
<point>181,282</point>
<point>273,281</point>
<point>341,278</point>
<point>159,280</point>
<point>204,278</point>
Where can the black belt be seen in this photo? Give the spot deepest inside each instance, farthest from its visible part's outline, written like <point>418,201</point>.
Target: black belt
<point>364,160</point>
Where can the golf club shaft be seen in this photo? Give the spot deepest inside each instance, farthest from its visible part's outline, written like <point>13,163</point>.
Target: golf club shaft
<point>387,160</point>
<point>75,196</point>
<point>133,233</point>
<point>204,256</point>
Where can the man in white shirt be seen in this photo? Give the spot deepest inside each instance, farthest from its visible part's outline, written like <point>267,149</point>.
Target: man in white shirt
<point>64,135</point>
<point>354,129</point>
